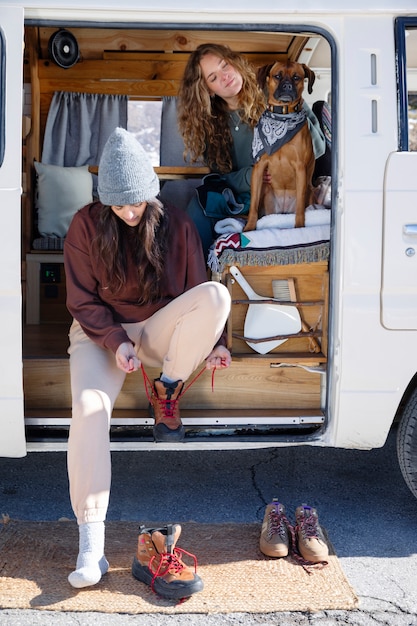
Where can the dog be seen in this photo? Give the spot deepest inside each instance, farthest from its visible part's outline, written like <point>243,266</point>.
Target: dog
<point>290,164</point>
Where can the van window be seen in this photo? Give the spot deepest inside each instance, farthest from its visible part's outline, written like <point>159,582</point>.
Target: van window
<point>2,96</point>
<point>406,39</point>
<point>411,53</point>
<point>412,121</point>
<point>144,121</point>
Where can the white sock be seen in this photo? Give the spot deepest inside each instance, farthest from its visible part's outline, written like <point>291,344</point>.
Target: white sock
<point>91,562</point>
<point>167,380</point>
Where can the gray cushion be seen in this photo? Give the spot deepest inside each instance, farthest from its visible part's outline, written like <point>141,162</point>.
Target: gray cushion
<point>60,192</point>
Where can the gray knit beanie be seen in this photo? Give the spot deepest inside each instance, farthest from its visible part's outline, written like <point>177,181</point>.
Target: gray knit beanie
<point>125,174</point>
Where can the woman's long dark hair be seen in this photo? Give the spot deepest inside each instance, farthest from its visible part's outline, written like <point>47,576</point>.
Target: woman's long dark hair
<point>147,243</point>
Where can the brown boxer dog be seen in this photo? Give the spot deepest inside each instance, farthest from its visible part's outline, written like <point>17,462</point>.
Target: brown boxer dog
<point>282,145</point>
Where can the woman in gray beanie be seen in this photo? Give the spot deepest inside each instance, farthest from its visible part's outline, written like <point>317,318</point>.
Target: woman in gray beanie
<point>138,292</point>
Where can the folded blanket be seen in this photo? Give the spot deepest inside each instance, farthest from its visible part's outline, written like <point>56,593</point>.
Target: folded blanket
<point>315,215</point>
<point>275,246</point>
<point>291,255</point>
<point>48,243</point>
<point>229,225</point>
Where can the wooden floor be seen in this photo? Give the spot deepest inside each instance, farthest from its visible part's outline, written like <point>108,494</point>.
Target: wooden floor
<point>250,392</point>
<point>45,340</point>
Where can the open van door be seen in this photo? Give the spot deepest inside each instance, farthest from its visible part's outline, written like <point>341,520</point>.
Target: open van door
<point>399,258</point>
<point>399,287</point>
<point>12,434</point>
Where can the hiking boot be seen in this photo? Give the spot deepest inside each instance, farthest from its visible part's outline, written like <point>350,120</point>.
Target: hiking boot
<point>310,537</point>
<point>274,540</point>
<point>165,410</point>
<point>158,563</point>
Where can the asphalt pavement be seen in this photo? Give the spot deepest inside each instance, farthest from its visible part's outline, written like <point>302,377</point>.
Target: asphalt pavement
<point>362,500</point>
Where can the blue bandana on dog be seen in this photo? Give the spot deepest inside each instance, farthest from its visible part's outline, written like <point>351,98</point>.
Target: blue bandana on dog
<point>274,130</point>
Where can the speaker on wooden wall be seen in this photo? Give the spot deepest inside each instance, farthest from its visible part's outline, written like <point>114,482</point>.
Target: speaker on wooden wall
<point>63,48</point>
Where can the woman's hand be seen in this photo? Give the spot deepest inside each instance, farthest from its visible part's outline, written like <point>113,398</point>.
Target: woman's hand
<point>126,358</point>
<point>218,358</point>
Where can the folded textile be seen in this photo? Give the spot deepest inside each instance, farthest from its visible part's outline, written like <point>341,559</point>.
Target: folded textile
<point>269,239</point>
<point>218,200</point>
<point>315,215</point>
<point>48,243</point>
<point>229,225</point>
<point>291,255</point>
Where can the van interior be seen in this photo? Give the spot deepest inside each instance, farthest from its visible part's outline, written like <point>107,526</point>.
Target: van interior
<point>278,394</point>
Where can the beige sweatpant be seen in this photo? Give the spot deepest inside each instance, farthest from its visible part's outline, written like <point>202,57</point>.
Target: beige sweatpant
<point>177,338</point>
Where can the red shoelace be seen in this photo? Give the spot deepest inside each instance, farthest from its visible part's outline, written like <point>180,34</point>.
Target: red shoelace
<point>170,562</point>
<point>150,391</point>
<point>278,521</point>
<point>295,553</point>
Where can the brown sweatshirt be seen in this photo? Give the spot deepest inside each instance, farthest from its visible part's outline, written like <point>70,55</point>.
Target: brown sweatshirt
<point>89,301</point>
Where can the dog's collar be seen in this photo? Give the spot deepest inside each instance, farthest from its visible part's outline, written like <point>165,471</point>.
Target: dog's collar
<point>284,109</point>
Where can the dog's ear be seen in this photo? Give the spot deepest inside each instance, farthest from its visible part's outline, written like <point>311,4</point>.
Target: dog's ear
<point>310,75</point>
<point>262,74</point>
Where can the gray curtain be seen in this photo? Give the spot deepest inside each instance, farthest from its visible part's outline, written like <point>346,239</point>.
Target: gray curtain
<point>177,192</point>
<point>78,126</point>
<point>172,145</point>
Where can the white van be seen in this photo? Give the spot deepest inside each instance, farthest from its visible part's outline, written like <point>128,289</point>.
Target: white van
<point>356,289</point>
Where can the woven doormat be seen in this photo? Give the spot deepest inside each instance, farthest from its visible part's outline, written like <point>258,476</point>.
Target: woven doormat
<point>36,558</point>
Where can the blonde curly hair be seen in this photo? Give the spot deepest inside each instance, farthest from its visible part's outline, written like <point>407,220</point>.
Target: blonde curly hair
<point>203,119</point>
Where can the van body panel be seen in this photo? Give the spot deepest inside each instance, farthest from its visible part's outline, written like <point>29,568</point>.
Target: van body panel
<point>188,11</point>
<point>12,438</point>
<point>371,373</point>
<point>373,283</point>
<point>399,285</point>
<point>368,92</point>
<point>363,392</point>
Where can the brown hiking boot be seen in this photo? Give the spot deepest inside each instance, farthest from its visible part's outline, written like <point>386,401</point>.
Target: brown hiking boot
<point>310,537</point>
<point>158,563</point>
<point>166,412</point>
<point>274,540</point>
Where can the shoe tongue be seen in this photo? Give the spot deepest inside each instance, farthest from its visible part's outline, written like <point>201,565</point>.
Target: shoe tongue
<point>165,540</point>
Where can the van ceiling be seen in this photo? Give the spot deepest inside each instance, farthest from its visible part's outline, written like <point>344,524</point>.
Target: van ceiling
<point>95,42</point>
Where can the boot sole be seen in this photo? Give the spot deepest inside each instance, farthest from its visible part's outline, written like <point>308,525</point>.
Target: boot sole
<point>278,552</point>
<point>166,434</point>
<point>161,432</point>
<point>141,572</point>
<point>313,557</point>
<point>172,591</point>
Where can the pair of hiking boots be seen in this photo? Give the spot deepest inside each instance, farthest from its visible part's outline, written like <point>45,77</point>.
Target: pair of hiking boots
<point>306,541</point>
<point>159,563</point>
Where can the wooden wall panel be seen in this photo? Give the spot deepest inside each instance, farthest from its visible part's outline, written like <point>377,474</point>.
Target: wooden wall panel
<point>139,63</point>
<point>242,386</point>
<point>92,42</point>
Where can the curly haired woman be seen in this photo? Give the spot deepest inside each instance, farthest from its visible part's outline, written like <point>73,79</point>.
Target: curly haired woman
<point>219,104</point>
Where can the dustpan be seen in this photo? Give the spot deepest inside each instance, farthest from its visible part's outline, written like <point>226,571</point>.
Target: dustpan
<point>267,319</point>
